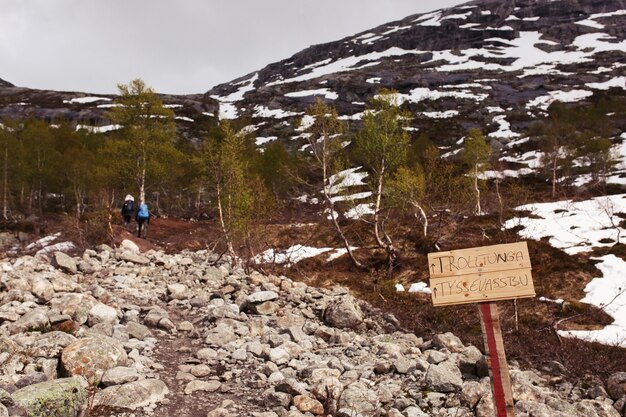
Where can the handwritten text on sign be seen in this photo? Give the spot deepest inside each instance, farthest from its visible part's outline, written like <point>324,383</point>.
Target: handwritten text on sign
<point>486,273</point>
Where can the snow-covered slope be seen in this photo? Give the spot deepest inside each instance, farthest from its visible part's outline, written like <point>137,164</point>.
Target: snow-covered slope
<point>495,65</point>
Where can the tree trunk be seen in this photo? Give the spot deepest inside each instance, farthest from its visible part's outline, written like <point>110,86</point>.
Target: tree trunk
<point>479,211</point>
<point>229,244</point>
<point>322,157</point>
<point>422,217</point>
<point>344,239</point>
<point>500,201</point>
<point>554,165</point>
<point>5,207</point>
<point>386,243</point>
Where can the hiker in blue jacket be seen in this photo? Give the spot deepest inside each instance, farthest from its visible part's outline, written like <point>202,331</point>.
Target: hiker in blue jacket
<point>143,218</point>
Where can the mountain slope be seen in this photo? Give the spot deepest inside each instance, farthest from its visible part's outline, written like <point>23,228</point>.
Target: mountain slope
<point>488,64</point>
<point>193,111</point>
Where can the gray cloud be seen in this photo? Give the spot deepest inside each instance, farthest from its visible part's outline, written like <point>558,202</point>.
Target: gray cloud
<point>184,46</point>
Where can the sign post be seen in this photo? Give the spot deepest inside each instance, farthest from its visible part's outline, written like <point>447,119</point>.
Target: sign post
<point>484,275</point>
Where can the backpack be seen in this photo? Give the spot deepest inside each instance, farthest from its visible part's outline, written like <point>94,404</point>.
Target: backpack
<point>143,212</point>
<point>128,207</point>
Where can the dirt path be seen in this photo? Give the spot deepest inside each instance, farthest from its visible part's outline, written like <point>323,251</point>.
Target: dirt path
<point>173,351</point>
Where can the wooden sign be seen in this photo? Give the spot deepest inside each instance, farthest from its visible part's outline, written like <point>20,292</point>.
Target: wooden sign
<point>486,273</point>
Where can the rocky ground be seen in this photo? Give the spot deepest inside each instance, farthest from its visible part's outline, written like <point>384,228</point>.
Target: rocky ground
<point>120,332</point>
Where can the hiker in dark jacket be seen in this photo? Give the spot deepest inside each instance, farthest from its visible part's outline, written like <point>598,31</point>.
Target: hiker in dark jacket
<point>143,218</point>
<point>128,208</point>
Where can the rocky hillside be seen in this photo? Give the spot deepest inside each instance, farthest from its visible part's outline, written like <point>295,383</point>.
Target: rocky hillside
<point>120,332</point>
<point>495,65</point>
<point>193,112</point>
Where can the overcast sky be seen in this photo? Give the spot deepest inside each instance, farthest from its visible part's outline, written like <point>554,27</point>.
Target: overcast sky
<point>182,46</point>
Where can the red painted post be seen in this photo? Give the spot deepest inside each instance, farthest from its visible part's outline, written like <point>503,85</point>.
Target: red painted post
<point>496,358</point>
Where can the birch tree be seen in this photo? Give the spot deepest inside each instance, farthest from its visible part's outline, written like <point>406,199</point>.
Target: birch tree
<point>476,153</point>
<point>8,149</point>
<point>325,146</point>
<point>143,147</point>
<point>407,188</point>
<point>240,197</point>
<point>381,146</point>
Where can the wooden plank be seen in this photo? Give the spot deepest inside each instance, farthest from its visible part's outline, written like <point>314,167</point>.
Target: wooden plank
<point>481,287</point>
<point>478,260</point>
<point>496,358</point>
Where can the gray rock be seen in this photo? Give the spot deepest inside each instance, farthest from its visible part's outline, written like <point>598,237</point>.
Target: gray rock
<point>219,412</point>
<point>616,385</point>
<point>261,297</point>
<point>33,320</point>
<point>220,335</point>
<point>343,312</point>
<point>291,386</point>
<point>435,357</point>
<point>76,305</point>
<point>444,377</point>
<point>448,341</point>
<point>138,331</point>
<point>42,289</point>
<point>358,398</point>
<point>64,262</point>
<point>154,316</point>
<point>414,411</point>
<point>92,356</point>
<point>59,398</point>
<point>206,386</point>
<point>30,379</point>
<point>199,371</point>
<point>132,395</point>
<point>51,343</point>
<point>129,245</point>
<point>307,404</point>
<point>279,356</point>
<point>101,313</point>
<point>177,291</point>
<point>593,408</point>
<point>266,309</point>
<point>119,375</point>
<point>134,258</point>
<point>62,284</point>
<point>206,354</point>
<point>471,393</point>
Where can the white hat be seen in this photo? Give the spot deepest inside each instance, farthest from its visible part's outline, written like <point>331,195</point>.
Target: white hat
<point>129,197</point>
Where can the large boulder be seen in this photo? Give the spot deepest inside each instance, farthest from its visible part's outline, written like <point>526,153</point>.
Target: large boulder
<point>101,313</point>
<point>358,399</point>
<point>42,288</point>
<point>129,245</point>
<point>77,306</point>
<point>132,395</point>
<point>58,398</point>
<point>444,377</point>
<point>616,385</point>
<point>33,320</point>
<point>64,262</point>
<point>343,312</point>
<point>92,356</point>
